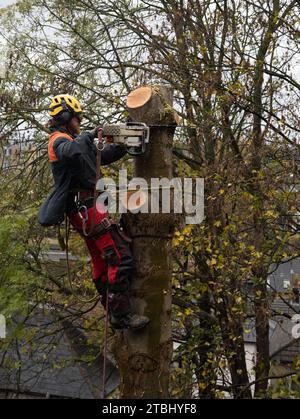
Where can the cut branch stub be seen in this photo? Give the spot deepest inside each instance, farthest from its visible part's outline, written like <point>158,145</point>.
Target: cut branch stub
<point>151,105</point>
<point>139,97</point>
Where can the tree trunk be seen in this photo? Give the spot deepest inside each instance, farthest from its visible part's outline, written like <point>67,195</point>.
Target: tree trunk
<point>262,316</point>
<point>144,356</point>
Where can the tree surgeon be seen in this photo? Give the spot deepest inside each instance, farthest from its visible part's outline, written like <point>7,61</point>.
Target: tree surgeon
<point>73,158</point>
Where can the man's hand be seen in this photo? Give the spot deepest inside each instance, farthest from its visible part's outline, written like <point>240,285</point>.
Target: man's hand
<point>94,132</point>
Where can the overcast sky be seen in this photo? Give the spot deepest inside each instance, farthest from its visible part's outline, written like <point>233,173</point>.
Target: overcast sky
<point>4,3</point>
<point>295,70</point>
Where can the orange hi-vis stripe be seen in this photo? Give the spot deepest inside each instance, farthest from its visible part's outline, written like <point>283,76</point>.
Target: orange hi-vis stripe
<point>52,138</point>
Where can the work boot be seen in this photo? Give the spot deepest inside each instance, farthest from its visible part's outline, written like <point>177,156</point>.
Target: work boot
<point>130,321</point>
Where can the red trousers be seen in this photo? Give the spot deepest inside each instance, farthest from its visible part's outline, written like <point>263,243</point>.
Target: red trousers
<point>111,261</point>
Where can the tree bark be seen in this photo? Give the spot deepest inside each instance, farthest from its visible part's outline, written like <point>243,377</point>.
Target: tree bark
<point>260,288</point>
<point>262,316</point>
<point>144,356</point>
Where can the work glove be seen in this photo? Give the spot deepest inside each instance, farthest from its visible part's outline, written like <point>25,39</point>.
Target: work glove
<point>94,132</point>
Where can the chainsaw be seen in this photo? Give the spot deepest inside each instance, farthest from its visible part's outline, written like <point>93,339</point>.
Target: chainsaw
<point>134,135</point>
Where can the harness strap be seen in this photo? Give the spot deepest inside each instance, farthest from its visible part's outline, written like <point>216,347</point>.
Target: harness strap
<point>98,175</point>
<point>98,230</point>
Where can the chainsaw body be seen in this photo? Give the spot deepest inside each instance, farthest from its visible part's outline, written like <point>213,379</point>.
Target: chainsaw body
<point>134,135</point>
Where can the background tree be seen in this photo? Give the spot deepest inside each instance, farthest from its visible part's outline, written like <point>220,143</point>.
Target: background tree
<point>231,64</point>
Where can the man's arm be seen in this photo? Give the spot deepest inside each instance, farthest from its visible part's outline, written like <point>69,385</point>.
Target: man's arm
<point>112,153</point>
<point>66,149</point>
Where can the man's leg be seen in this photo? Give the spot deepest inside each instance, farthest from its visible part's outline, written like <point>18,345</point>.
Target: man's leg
<point>99,267</point>
<point>111,255</point>
<point>117,255</point>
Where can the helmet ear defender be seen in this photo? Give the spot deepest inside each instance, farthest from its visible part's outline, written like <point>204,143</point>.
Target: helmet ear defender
<point>66,115</point>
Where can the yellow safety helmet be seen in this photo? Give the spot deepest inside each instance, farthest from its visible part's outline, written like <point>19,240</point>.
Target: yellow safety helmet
<point>65,105</point>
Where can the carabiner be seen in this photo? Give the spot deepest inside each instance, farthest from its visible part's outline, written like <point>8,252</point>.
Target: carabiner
<point>84,217</point>
<point>100,146</point>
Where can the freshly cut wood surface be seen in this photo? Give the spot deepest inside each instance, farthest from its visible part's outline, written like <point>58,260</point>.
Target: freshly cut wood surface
<point>151,105</point>
<point>139,97</point>
<point>177,118</point>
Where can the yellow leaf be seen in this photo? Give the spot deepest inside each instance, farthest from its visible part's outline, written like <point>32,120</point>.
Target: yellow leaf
<point>202,386</point>
<point>213,262</point>
<point>188,311</point>
<point>187,229</point>
<point>270,214</point>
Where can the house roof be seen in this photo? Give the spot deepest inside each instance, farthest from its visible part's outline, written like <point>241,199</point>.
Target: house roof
<point>283,346</point>
<point>48,367</point>
<point>282,276</point>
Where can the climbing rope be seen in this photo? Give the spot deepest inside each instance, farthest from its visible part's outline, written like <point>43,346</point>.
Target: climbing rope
<point>88,234</point>
<point>70,282</point>
<point>67,235</point>
<point>85,232</point>
<point>105,348</point>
